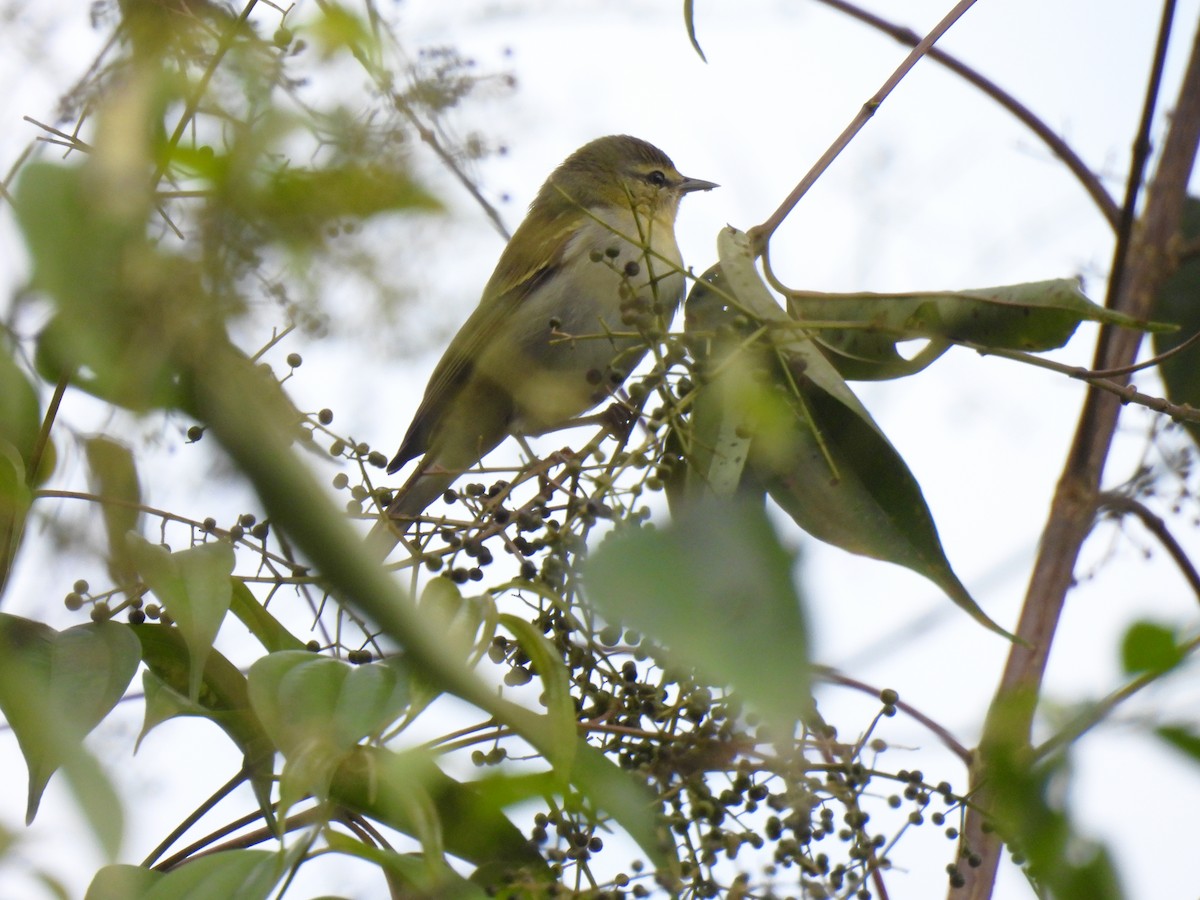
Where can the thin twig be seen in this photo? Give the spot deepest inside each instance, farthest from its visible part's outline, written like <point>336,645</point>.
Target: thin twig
<point>1060,148</point>
<point>1119,503</point>
<point>760,234</point>
<point>1099,711</point>
<point>1125,392</point>
<point>195,816</point>
<point>953,744</point>
<point>1116,371</point>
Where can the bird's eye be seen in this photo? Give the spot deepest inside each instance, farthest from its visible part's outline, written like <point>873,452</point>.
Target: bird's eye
<point>657,178</point>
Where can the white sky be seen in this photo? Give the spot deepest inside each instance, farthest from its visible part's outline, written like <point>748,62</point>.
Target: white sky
<point>942,190</point>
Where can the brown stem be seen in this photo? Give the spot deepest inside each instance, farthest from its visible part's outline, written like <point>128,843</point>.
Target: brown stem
<point>760,234</point>
<point>1143,267</point>
<point>1086,177</point>
<point>1121,504</point>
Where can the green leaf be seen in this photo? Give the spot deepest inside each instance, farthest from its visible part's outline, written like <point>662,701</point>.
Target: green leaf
<point>300,203</point>
<point>15,500</point>
<point>1032,317</point>
<point>55,687</point>
<point>113,476</point>
<point>413,873</point>
<point>224,700</point>
<point>194,586</point>
<point>20,411</point>
<point>1062,862</point>
<point>713,583</point>
<point>1149,647</point>
<point>717,442</point>
<point>299,696</point>
<point>244,874</point>
<point>817,450</point>
<point>689,20</point>
<point>1178,301</point>
<point>316,709</point>
<point>122,305</point>
<point>380,783</point>
<point>1181,738</point>
<point>269,631</point>
<point>122,882</point>
<point>76,245</point>
<point>556,684</point>
<point>163,703</point>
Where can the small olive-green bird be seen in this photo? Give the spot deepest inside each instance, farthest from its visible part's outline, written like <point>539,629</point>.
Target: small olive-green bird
<point>551,336</point>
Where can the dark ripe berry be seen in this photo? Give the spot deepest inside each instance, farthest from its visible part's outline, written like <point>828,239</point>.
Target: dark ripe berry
<point>73,601</point>
<point>888,697</point>
<point>325,416</point>
<point>632,268</point>
<point>612,252</point>
<point>312,647</point>
<point>294,360</point>
<point>247,520</point>
<point>136,617</point>
<point>194,433</point>
<point>209,525</point>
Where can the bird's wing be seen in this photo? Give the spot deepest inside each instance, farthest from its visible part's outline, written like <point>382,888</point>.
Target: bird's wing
<point>526,263</point>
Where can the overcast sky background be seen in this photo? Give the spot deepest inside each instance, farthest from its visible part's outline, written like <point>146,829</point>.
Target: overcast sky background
<point>942,190</point>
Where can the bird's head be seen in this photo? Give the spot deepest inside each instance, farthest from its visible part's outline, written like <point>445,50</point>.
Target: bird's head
<point>619,171</point>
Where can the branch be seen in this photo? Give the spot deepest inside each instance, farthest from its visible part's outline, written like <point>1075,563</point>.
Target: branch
<point>1123,505</point>
<point>1122,390</point>
<point>1059,147</point>
<point>1139,270</point>
<point>760,234</point>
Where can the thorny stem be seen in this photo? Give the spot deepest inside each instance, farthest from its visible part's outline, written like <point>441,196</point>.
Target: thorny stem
<point>1138,273</point>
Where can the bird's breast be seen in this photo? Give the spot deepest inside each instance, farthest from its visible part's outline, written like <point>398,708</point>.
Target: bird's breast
<point>576,335</point>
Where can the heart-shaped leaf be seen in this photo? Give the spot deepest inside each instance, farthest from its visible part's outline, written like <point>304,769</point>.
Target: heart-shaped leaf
<point>55,687</point>
<point>316,709</point>
<point>194,586</point>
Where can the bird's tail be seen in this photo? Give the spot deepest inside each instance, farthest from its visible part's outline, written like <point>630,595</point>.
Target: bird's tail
<point>410,501</point>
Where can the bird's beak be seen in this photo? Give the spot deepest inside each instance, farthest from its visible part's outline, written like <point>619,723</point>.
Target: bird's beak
<point>696,184</point>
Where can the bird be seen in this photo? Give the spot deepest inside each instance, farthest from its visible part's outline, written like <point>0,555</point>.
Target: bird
<point>555,329</point>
